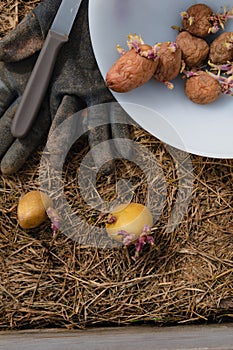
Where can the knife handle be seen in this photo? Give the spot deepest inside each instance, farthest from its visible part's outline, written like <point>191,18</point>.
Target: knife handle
<point>37,84</point>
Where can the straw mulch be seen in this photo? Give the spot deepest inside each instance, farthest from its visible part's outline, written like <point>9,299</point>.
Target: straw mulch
<point>186,277</point>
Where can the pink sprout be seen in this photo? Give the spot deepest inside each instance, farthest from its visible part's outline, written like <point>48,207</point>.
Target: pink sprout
<point>144,238</point>
<point>225,82</point>
<point>135,42</point>
<point>173,46</point>
<point>226,67</point>
<point>128,238</point>
<point>218,20</point>
<point>146,230</point>
<point>189,73</point>
<point>111,219</point>
<point>152,54</point>
<point>55,219</point>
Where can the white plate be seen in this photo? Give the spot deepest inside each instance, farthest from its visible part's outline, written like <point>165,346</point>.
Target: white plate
<point>205,130</point>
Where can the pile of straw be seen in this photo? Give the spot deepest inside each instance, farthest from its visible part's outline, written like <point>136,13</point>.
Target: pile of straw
<point>186,277</point>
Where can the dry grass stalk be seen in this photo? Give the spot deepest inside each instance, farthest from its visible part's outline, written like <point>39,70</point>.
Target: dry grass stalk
<point>186,277</point>
<point>12,12</point>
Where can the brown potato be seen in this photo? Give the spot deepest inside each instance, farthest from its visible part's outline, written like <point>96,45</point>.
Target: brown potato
<point>194,50</point>
<point>31,211</point>
<point>202,88</point>
<point>221,49</point>
<point>130,71</point>
<point>169,62</point>
<point>197,20</point>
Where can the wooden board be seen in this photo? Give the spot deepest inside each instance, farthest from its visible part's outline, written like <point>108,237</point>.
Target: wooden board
<point>217,337</point>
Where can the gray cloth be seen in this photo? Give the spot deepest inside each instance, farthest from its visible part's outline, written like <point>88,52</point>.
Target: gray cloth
<point>76,83</point>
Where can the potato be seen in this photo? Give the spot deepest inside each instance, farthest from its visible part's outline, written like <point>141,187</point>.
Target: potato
<point>130,71</point>
<point>196,20</point>
<point>130,218</point>
<point>31,211</point>
<point>194,50</point>
<point>221,49</point>
<point>202,88</point>
<point>169,62</point>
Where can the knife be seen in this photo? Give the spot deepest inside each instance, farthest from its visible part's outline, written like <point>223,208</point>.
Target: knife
<point>39,79</point>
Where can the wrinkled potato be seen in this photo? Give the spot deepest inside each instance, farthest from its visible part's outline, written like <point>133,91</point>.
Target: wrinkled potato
<point>196,20</point>
<point>130,71</point>
<point>202,88</point>
<point>31,211</point>
<point>169,62</point>
<point>194,50</point>
<point>221,49</point>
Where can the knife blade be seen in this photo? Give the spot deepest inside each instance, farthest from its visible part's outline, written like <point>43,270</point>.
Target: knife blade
<point>39,79</point>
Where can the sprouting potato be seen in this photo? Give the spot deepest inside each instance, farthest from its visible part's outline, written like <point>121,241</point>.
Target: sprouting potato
<point>134,68</point>
<point>196,20</point>
<point>169,62</point>
<point>221,49</point>
<point>130,218</point>
<point>202,88</point>
<point>131,224</point>
<point>200,20</point>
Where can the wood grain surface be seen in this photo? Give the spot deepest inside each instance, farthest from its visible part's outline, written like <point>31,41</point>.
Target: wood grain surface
<point>217,337</point>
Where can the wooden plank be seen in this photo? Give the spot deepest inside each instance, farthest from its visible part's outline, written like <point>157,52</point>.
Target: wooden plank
<point>214,337</point>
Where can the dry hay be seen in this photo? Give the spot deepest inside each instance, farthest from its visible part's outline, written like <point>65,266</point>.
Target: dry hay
<point>12,12</point>
<point>55,282</point>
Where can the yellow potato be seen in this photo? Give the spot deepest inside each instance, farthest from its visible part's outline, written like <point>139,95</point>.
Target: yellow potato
<point>130,218</point>
<point>31,211</point>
